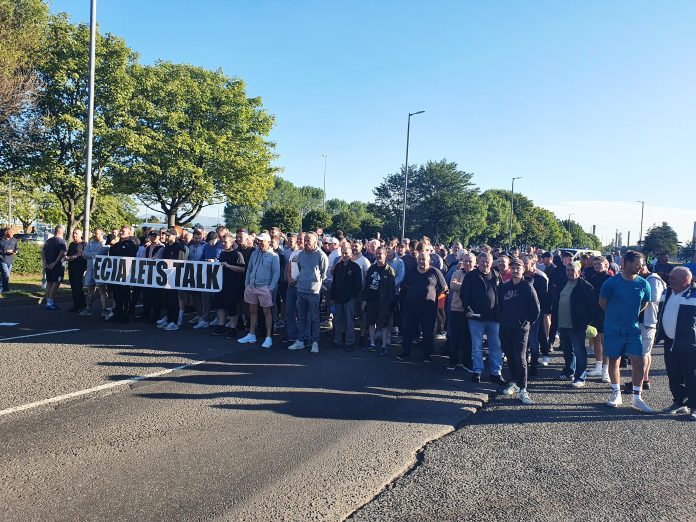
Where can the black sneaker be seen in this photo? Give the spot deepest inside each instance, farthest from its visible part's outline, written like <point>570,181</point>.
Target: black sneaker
<point>646,385</point>
<point>231,333</point>
<point>476,377</point>
<point>372,348</point>
<point>218,330</point>
<point>497,379</point>
<point>403,356</point>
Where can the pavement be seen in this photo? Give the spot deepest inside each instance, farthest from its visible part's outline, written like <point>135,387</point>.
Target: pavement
<point>242,433</point>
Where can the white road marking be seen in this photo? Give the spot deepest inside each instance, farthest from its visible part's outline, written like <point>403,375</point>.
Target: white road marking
<point>9,324</point>
<point>87,391</point>
<point>38,334</point>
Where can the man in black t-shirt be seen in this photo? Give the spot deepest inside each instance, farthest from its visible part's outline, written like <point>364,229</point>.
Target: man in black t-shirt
<point>173,249</point>
<point>77,264</point>
<point>125,247</point>
<point>52,255</point>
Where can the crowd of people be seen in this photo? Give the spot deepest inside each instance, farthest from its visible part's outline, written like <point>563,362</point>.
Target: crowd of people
<point>377,293</point>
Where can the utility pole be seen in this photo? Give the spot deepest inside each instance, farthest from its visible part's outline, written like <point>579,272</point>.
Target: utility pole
<point>408,136</point>
<point>324,201</point>
<point>90,115</point>
<point>642,211</point>
<point>512,206</point>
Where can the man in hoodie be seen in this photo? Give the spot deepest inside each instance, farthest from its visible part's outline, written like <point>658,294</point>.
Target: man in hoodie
<point>519,308</point>
<point>262,275</point>
<point>313,266</point>
<point>479,295</point>
<point>345,287</point>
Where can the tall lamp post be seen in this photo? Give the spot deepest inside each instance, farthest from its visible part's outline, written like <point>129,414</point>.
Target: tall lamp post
<point>642,211</point>
<point>324,201</point>
<point>571,214</point>
<point>512,204</point>
<point>90,114</point>
<point>408,135</point>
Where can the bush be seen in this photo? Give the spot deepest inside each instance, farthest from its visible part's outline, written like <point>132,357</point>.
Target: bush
<point>28,261</point>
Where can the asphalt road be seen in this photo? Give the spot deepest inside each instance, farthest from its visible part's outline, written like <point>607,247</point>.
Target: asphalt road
<point>251,434</point>
<point>248,435</point>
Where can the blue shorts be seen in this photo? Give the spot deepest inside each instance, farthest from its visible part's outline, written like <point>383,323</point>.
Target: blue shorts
<point>623,342</point>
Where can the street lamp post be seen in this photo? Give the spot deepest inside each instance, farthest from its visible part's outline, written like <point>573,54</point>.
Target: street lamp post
<point>512,204</point>
<point>90,115</point>
<point>571,214</point>
<point>324,201</point>
<point>408,135</point>
<point>642,211</point>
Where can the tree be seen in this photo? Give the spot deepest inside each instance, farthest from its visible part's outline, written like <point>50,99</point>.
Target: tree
<point>200,141</point>
<point>242,216</point>
<point>661,238</point>
<point>370,225</point>
<point>347,221</point>
<point>441,202</point>
<point>335,206</point>
<point>285,218</point>
<point>114,211</point>
<point>315,219</point>
<point>62,107</point>
<point>22,37</point>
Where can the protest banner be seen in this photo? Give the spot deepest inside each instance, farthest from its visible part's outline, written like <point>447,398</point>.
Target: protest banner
<point>170,274</point>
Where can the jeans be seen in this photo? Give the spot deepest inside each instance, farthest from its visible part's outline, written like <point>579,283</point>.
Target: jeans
<point>308,316</point>
<point>574,353</point>
<point>344,322</point>
<point>533,341</point>
<point>5,269</point>
<point>291,313</point>
<point>514,344</point>
<point>459,339</point>
<point>495,356</point>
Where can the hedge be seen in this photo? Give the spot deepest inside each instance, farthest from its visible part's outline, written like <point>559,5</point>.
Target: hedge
<point>28,261</point>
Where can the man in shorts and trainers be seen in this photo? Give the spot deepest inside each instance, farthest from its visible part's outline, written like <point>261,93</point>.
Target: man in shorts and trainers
<point>52,255</point>
<point>262,276</point>
<point>623,297</point>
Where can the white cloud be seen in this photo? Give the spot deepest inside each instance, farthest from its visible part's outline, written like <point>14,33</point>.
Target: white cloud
<point>624,216</point>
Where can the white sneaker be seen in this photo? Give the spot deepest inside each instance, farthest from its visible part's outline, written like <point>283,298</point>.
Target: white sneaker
<point>597,372</point>
<point>544,361</point>
<point>195,320</point>
<point>248,338</point>
<point>639,404</point>
<point>163,320</point>
<point>615,400</point>
<point>201,325</point>
<point>577,384</point>
<point>163,325</point>
<point>297,345</point>
<point>524,397</point>
<point>214,322</point>
<point>180,323</point>
<point>692,416</point>
<point>315,347</point>
<point>171,327</point>
<point>267,343</point>
<point>511,389</point>
<point>605,376</point>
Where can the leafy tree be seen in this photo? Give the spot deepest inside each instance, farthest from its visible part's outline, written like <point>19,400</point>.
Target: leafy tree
<point>22,37</point>
<point>114,211</point>
<point>370,225</point>
<point>284,193</point>
<point>335,206</point>
<point>62,107</point>
<point>661,238</point>
<point>154,219</point>
<point>199,141</point>
<point>347,221</point>
<point>313,198</point>
<point>286,218</point>
<point>442,202</point>
<point>315,219</point>
<point>242,216</point>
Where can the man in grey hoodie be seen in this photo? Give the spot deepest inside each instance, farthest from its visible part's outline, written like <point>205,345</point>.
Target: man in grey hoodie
<point>262,275</point>
<point>313,266</point>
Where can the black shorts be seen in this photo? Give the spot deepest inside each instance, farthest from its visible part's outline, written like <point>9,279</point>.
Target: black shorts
<point>598,321</point>
<point>225,300</point>
<point>378,313</point>
<point>55,274</point>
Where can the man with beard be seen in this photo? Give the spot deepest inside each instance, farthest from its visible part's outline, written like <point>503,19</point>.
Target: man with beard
<point>125,247</point>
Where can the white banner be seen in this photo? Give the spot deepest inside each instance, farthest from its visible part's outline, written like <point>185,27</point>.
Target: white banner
<point>171,274</point>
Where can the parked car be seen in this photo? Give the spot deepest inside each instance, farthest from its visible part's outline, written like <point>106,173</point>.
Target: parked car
<point>578,252</point>
<point>36,239</point>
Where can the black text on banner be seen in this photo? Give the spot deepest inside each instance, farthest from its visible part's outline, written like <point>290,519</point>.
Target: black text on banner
<point>172,274</point>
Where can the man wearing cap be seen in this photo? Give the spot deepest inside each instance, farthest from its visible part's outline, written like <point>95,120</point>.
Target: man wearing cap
<point>262,275</point>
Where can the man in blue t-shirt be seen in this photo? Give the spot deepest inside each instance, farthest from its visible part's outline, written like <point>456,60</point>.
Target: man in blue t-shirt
<point>623,297</point>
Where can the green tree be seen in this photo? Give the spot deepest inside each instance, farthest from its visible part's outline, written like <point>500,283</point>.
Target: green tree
<point>285,218</point>
<point>62,107</point>
<point>114,211</point>
<point>335,206</point>
<point>347,221</point>
<point>315,219</point>
<point>200,141</point>
<point>370,225</point>
<point>661,238</point>
<point>442,202</point>
<point>242,216</point>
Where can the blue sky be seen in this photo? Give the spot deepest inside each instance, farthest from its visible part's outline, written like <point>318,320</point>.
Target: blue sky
<point>591,102</point>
